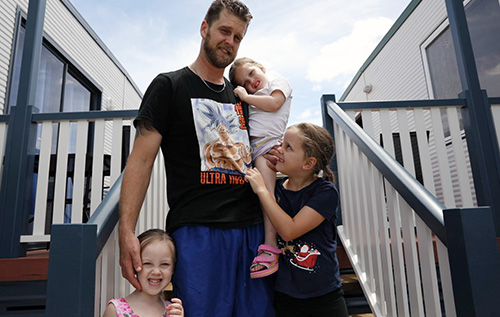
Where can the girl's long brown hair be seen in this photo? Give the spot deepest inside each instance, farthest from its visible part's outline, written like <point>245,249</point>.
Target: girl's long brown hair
<point>318,143</point>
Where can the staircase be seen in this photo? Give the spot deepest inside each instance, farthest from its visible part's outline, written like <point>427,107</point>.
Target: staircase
<point>23,284</point>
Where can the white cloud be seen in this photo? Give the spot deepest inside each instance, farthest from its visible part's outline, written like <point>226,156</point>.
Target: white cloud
<point>317,87</point>
<point>317,45</point>
<point>347,54</point>
<point>494,71</point>
<point>305,114</point>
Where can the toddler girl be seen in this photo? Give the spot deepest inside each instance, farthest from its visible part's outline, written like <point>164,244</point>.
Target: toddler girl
<point>270,102</point>
<point>158,260</point>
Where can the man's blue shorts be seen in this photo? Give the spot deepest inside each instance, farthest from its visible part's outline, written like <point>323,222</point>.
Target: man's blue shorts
<point>212,273</point>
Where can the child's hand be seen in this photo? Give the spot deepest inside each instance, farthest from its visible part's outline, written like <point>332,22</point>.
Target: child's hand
<point>175,309</point>
<point>274,156</point>
<point>254,177</point>
<point>240,92</point>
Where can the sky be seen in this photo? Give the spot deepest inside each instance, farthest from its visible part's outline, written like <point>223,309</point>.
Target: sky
<point>318,45</point>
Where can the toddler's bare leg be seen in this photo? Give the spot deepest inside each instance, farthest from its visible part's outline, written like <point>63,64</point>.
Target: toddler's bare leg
<point>270,181</point>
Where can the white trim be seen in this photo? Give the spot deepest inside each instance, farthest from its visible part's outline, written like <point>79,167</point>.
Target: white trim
<point>61,178</point>
<point>79,172</point>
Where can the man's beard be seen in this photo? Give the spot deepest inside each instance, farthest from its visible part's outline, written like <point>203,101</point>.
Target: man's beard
<point>216,60</point>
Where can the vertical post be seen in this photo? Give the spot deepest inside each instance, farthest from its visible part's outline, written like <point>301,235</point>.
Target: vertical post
<point>72,270</point>
<point>478,120</point>
<point>15,192</point>
<point>328,125</point>
<point>327,120</point>
<point>474,261</point>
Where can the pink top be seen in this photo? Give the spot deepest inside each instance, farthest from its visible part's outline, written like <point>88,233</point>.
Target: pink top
<point>123,308</point>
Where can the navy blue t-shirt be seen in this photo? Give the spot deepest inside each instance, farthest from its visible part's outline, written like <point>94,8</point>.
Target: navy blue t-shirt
<point>309,267</point>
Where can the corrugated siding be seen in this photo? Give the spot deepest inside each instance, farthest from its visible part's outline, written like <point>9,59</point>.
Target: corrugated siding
<point>63,28</point>
<point>7,23</point>
<point>75,41</point>
<point>397,72</point>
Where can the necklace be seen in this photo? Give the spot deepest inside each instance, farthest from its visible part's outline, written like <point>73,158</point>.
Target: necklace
<point>206,84</point>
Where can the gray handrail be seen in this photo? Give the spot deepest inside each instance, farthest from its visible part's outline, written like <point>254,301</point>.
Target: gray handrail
<point>107,214</point>
<point>428,208</point>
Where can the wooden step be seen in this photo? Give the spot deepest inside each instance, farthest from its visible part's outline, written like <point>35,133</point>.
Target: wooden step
<point>344,262</point>
<point>33,267</point>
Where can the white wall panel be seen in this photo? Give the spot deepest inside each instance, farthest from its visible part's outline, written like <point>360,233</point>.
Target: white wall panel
<point>397,72</point>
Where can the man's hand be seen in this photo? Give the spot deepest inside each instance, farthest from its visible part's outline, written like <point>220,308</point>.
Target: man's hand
<point>130,258</point>
<point>273,156</point>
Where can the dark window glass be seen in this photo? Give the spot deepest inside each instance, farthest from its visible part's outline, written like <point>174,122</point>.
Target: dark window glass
<point>484,28</point>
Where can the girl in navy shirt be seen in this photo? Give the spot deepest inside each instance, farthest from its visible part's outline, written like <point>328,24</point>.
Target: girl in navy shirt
<point>304,214</point>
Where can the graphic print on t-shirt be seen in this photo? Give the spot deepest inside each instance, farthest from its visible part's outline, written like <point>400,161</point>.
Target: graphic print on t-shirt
<point>223,141</point>
<point>302,255</point>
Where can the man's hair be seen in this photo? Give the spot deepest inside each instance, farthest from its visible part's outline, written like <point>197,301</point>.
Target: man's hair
<point>235,7</point>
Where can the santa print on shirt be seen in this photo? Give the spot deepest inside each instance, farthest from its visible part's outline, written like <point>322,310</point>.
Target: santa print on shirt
<point>302,255</point>
<point>309,266</point>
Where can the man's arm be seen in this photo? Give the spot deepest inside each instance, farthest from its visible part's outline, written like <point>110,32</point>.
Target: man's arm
<point>134,186</point>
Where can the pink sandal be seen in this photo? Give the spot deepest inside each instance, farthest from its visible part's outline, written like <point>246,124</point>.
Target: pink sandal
<point>269,261</point>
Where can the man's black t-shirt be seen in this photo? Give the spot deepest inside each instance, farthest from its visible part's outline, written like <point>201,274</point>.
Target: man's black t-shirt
<point>206,150</point>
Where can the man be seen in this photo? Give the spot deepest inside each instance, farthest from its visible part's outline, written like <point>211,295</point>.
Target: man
<point>214,217</point>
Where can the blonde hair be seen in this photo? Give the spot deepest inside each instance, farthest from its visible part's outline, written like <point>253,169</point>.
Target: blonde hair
<point>151,235</point>
<point>317,143</point>
<point>238,63</point>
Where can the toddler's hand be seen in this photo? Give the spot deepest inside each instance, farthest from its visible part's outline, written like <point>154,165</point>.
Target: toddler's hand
<point>240,92</point>
<point>175,308</point>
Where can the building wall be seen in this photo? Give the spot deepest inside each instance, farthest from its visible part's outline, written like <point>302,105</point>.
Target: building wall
<point>7,22</point>
<point>72,35</point>
<point>397,72</point>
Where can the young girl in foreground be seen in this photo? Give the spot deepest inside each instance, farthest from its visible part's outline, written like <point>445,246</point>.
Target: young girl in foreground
<point>158,260</point>
<point>270,101</point>
<point>304,214</point>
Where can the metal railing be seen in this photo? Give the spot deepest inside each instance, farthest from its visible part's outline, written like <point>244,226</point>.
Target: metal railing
<point>393,227</point>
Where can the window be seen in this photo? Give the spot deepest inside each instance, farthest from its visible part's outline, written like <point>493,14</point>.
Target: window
<point>57,76</point>
<point>439,52</point>
<point>60,86</point>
